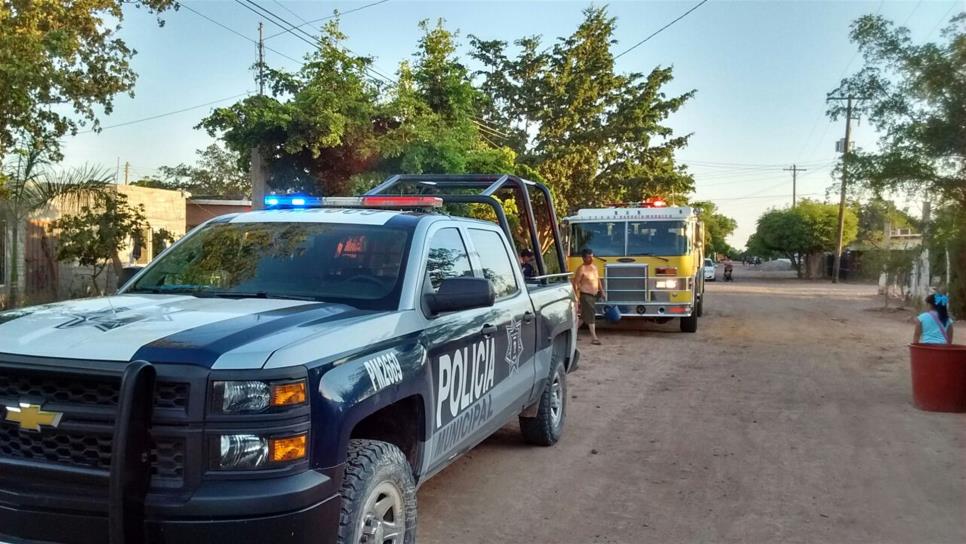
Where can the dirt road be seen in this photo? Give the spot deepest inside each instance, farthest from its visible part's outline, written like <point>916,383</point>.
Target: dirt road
<point>785,418</point>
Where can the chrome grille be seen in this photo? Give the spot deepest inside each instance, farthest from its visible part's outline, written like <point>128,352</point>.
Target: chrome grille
<point>626,283</point>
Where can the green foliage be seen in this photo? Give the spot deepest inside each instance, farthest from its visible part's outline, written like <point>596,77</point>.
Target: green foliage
<point>321,125</point>
<point>563,116</point>
<point>914,96</point>
<point>32,185</point>
<point>61,60</point>
<point>595,135</point>
<point>95,235</point>
<point>808,229</point>
<point>216,174</point>
<point>717,228</point>
<point>873,218</point>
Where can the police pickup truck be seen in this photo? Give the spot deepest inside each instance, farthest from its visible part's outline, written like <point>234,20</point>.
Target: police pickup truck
<point>284,375</point>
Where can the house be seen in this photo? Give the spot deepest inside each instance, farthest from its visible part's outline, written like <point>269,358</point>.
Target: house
<point>41,278</point>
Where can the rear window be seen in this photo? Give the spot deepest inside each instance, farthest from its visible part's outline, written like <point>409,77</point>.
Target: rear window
<point>358,265</point>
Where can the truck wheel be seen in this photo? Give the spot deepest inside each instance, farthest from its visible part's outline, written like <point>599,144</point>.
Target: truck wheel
<point>545,429</point>
<point>689,324</point>
<point>378,496</point>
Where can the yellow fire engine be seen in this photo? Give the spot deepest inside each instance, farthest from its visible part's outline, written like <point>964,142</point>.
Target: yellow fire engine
<point>649,258</point>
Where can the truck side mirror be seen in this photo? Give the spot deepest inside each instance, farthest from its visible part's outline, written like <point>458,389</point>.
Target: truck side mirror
<point>455,294</point>
<point>126,274</point>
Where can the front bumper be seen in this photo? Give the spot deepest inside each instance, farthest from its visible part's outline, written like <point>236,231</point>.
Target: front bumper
<point>297,509</point>
<point>651,310</point>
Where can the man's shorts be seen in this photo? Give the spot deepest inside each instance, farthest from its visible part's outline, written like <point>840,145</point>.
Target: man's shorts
<point>587,310</point>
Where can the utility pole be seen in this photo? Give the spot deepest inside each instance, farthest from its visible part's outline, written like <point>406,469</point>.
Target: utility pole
<point>256,169</point>
<point>836,267</point>
<point>794,170</point>
<point>261,59</point>
<point>127,171</point>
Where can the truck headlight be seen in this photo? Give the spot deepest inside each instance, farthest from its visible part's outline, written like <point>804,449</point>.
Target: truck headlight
<point>252,396</point>
<point>251,451</point>
<point>242,452</point>
<point>676,284</point>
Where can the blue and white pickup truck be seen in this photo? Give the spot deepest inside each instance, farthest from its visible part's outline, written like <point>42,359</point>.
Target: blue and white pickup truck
<point>285,375</point>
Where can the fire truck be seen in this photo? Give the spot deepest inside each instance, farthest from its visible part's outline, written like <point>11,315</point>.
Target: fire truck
<point>649,258</point>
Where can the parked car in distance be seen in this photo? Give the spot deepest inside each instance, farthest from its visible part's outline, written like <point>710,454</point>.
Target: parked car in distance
<point>709,270</point>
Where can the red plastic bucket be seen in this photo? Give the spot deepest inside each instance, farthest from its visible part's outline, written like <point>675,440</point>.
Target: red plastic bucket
<point>939,377</point>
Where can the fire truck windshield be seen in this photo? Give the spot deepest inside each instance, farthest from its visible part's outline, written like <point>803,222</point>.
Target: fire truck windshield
<point>631,238</point>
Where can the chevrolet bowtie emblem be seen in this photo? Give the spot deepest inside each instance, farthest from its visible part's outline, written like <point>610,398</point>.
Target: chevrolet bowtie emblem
<point>31,416</point>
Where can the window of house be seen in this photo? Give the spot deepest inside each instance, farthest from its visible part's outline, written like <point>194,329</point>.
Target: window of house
<point>497,264</point>
<point>447,257</point>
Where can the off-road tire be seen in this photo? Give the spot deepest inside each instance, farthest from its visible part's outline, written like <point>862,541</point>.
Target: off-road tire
<point>689,324</point>
<point>545,429</point>
<point>369,464</point>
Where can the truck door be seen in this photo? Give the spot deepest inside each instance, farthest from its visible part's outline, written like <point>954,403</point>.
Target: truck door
<point>458,354</point>
<point>512,322</point>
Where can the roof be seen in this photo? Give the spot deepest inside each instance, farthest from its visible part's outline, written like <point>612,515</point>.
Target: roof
<point>631,214</point>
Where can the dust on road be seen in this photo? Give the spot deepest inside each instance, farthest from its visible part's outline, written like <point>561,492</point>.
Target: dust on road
<point>786,418</point>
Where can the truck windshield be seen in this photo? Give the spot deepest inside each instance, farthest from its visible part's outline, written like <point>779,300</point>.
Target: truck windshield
<point>358,265</point>
<point>606,239</point>
<point>667,238</point>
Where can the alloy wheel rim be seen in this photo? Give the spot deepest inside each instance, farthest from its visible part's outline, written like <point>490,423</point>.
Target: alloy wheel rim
<point>383,518</point>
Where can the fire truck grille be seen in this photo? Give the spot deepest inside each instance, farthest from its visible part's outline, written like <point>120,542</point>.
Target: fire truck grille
<point>85,450</point>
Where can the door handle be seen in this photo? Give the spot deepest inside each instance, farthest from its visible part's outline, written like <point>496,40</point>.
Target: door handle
<point>528,316</point>
<point>488,330</point>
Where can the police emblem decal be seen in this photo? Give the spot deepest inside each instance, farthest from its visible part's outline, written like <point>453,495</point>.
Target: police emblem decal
<point>514,345</point>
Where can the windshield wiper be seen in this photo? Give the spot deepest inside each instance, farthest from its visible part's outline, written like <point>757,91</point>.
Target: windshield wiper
<point>655,256</point>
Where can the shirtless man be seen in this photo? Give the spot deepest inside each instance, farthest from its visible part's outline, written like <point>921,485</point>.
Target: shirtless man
<point>587,288</point>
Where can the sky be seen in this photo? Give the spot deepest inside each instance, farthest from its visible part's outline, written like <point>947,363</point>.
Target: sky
<point>761,70</point>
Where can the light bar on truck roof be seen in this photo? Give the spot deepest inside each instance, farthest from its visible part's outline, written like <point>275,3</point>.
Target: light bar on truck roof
<point>302,201</point>
<point>292,201</point>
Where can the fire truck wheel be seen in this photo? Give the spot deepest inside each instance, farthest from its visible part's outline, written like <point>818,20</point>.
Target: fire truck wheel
<point>545,429</point>
<point>689,324</point>
<point>378,495</point>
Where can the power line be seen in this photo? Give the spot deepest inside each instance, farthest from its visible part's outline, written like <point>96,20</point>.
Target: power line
<point>658,31</point>
<point>274,19</point>
<point>235,32</point>
<point>314,21</point>
<point>160,115</point>
<point>297,16</point>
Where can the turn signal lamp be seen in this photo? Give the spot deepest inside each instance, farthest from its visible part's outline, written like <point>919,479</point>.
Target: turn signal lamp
<point>288,394</point>
<point>666,271</point>
<point>289,448</point>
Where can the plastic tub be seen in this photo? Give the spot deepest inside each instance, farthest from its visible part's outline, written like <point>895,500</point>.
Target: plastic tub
<point>939,377</point>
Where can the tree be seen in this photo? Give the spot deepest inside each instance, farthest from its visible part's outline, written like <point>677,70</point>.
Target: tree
<point>717,228</point>
<point>216,174</point>
<point>94,236</point>
<point>596,136</point>
<point>33,186</point>
<point>808,229</point>
<point>60,61</point>
<point>914,94</point>
<point>321,126</point>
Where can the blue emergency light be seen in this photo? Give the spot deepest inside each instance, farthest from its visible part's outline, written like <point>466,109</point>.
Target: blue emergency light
<point>292,201</point>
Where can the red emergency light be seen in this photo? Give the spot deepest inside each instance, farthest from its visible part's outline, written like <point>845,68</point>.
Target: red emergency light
<point>654,202</point>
